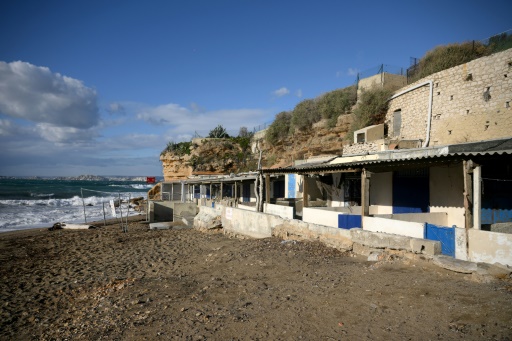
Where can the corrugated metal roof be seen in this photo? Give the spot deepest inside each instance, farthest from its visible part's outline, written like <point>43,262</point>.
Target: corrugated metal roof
<point>393,158</point>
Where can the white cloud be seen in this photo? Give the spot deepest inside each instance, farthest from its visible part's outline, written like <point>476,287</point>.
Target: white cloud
<point>164,114</point>
<point>36,94</point>
<point>6,128</point>
<point>56,134</point>
<point>183,123</point>
<point>352,72</point>
<point>281,92</point>
<point>116,108</point>
<point>196,107</point>
<point>298,93</point>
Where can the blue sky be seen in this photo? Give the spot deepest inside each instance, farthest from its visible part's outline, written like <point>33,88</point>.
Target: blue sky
<point>100,87</point>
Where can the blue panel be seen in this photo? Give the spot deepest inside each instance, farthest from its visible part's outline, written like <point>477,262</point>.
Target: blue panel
<point>291,185</point>
<point>410,191</point>
<point>246,192</point>
<point>494,215</point>
<point>349,221</point>
<point>446,235</point>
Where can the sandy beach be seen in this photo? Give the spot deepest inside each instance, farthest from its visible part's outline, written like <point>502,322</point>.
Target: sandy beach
<point>183,284</point>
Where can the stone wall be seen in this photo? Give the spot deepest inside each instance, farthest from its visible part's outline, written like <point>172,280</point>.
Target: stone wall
<point>361,148</point>
<point>471,102</point>
<point>382,80</point>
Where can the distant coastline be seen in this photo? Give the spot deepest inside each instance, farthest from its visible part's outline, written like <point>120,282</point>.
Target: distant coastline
<point>84,178</point>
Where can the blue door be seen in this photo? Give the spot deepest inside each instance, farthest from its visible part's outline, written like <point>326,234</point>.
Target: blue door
<point>411,191</point>
<point>246,192</point>
<point>291,185</point>
<point>446,235</point>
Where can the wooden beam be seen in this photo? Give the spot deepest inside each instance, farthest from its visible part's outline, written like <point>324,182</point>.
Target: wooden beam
<point>236,194</point>
<point>468,193</point>
<point>305,194</point>
<point>267,188</point>
<point>365,194</point>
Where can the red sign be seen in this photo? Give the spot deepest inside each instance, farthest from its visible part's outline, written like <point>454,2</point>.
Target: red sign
<point>150,179</point>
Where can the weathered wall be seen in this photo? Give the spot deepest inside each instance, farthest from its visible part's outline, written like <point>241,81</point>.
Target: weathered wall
<point>446,192</point>
<point>247,223</point>
<point>327,216</point>
<point>490,247</point>
<point>437,218</point>
<point>402,228</point>
<point>382,80</point>
<point>362,148</point>
<point>381,192</point>
<point>461,111</point>
<point>279,210</point>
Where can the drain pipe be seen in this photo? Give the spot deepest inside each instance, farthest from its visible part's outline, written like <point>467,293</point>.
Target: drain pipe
<point>429,114</point>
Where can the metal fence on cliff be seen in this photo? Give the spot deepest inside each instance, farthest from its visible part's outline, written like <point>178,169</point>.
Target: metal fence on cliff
<point>496,43</point>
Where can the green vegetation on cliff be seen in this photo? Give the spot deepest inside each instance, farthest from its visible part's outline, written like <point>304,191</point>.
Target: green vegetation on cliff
<point>329,106</point>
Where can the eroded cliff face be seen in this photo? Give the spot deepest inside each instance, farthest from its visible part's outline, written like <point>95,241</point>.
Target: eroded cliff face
<point>176,167</point>
<point>207,156</point>
<point>225,156</point>
<point>319,141</point>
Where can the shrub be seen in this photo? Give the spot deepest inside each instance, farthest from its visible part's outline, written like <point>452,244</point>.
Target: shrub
<point>371,109</point>
<point>337,102</point>
<point>280,128</point>
<point>447,56</point>
<point>181,148</point>
<point>305,114</point>
<point>218,132</point>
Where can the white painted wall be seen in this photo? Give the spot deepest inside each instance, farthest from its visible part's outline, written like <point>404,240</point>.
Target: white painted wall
<point>327,216</point>
<point>436,218</point>
<point>490,247</point>
<point>461,249</point>
<point>246,208</point>
<point>403,228</point>
<point>381,192</point>
<point>446,192</point>
<point>279,210</point>
<point>252,224</point>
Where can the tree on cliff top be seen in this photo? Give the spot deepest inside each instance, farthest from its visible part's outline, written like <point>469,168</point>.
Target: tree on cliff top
<point>218,132</point>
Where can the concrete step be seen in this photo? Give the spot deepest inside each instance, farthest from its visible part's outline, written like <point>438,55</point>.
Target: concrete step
<point>453,264</point>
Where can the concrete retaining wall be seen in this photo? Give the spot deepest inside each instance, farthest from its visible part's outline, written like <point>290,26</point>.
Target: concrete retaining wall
<point>247,208</point>
<point>262,225</point>
<point>279,210</point>
<point>207,217</point>
<point>160,211</point>
<point>490,247</point>
<point>253,224</point>
<point>402,228</point>
<point>395,242</point>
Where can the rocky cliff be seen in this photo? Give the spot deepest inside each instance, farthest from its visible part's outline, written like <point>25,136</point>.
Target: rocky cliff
<point>224,156</point>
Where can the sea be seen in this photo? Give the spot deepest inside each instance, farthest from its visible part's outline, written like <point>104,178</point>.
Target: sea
<point>41,202</point>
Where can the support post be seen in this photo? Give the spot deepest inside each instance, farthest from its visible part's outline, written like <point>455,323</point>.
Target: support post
<point>365,194</point>
<point>477,197</point>
<point>305,191</point>
<point>221,190</point>
<point>267,188</point>
<point>236,194</point>
<point>468,193</point>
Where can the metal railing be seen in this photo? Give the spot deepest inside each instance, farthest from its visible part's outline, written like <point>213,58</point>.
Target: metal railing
<point>496,43</point>
<point>382,68</point>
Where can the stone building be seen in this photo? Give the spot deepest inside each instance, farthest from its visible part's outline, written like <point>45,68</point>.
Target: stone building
<point>467,103</point>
